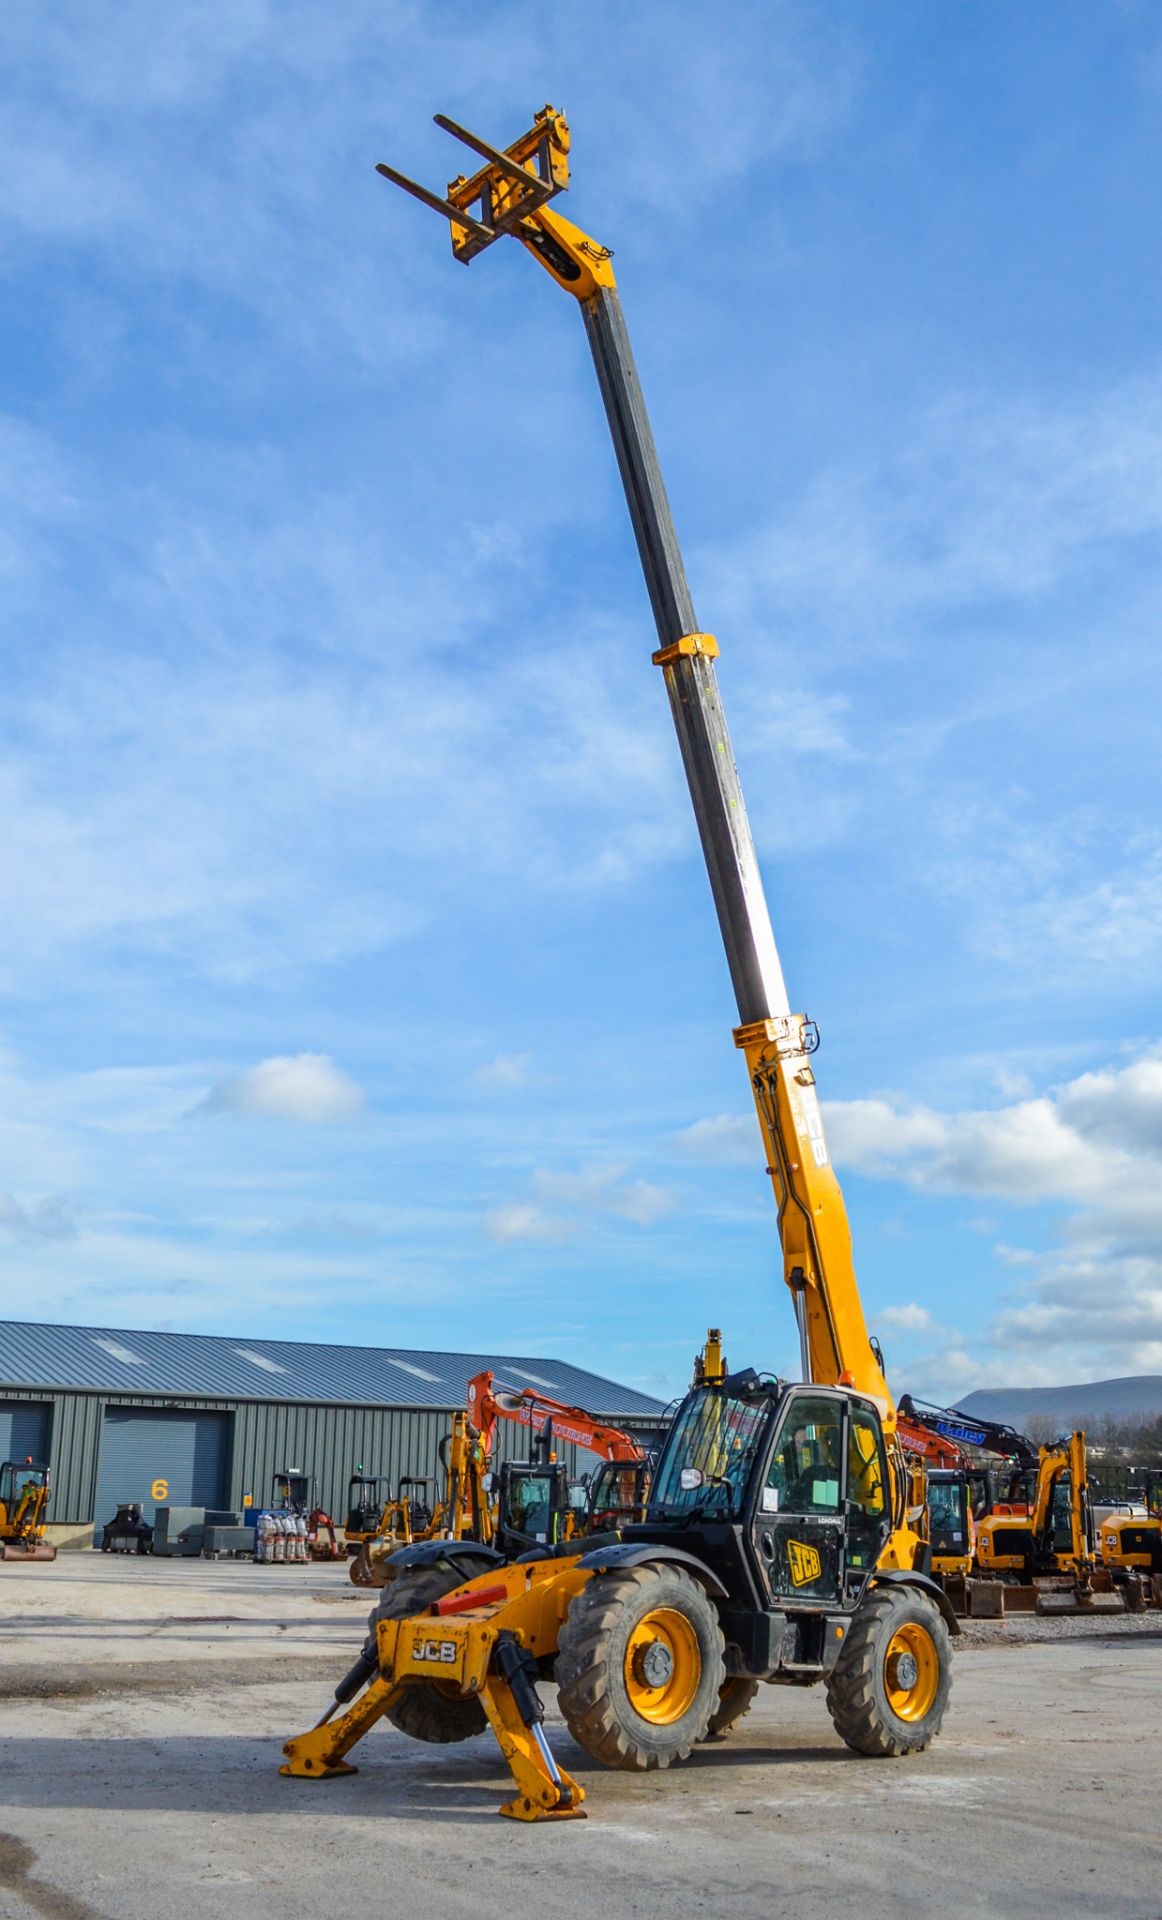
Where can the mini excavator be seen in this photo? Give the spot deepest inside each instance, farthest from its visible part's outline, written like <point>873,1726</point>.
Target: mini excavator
<point>1130,1539</point>
<point>24,1496</point>
<point>781,1541</point>
<point>1033,1523</point>
<point>463,1513</point>
<point>535,1503</point>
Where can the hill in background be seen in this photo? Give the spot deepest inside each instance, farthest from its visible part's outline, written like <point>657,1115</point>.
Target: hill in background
<point>1137,1398</point>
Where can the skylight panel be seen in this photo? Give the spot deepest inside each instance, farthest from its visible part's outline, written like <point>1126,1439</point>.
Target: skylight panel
<point>258,1360</point>
<point>537,1379</point>
<point>421,1373</point>
<point>119,1352</point>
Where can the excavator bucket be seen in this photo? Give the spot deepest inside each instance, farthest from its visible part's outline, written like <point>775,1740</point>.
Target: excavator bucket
<point>363,1571</point>
<point>27,1550</point>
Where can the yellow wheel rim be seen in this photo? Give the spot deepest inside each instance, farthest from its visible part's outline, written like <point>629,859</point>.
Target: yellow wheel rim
<point>663,1666</point>
<point>911,1672</point>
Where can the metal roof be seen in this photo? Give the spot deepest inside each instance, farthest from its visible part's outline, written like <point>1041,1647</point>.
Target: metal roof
<point>205,1366</point>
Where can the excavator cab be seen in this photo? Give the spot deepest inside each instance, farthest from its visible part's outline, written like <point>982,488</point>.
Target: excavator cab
<point>415,1493</point>
<point>292,1492</point>
<point>23,1500</point>
<point>533,1507</point>
<point>617,1495</point>
<point>365,1504</point>
<point>950,1531</point>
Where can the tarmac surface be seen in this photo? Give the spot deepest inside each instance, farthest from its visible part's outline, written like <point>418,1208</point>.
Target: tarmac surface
<point>143,1705</point>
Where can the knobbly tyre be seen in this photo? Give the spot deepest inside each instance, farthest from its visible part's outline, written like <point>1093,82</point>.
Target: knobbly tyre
<point>782,1541</point>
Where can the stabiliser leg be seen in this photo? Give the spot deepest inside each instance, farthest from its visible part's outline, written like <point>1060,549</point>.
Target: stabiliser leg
<point>318,1754</point>
<point>515,1714</point>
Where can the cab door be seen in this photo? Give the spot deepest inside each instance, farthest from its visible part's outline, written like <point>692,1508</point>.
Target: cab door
<point>799,1522</point>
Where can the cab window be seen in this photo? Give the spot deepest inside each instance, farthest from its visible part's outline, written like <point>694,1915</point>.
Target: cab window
<point>804,1475</point>
<point>865,1465</point>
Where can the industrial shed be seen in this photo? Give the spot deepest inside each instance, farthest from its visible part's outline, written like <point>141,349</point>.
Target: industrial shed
<point>189,1419</point>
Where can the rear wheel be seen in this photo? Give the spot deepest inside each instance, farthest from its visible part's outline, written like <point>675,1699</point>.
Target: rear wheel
<point>888,1691</point>
<point>735,1700</point>
<point>639,1667</point>
<point>426,1710</point>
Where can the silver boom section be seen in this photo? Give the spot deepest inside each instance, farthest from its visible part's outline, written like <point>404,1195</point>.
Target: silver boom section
<point>691,681</point>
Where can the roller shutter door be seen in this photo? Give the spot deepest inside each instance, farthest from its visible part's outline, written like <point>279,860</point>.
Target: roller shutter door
<point>161,1459</point>
<point>24,1430</point>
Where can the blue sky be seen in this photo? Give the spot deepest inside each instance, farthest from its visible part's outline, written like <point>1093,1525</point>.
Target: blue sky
<point>359,978</point>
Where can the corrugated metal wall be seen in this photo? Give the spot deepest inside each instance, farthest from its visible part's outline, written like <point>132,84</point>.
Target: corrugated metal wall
<point>328,1442</point>
<point>174,1457</point>
<point>25,1426</point>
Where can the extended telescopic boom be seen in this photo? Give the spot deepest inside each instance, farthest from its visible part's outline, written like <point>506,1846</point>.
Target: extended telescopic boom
<point>509,195</point>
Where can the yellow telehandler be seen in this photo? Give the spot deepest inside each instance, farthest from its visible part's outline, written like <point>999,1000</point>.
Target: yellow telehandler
<point>781,1540</point>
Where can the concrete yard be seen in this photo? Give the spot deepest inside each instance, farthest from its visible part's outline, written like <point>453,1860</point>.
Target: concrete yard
<point>143,1704</point>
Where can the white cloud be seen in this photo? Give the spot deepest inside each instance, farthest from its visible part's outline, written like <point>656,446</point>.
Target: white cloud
<point>50,1218</point>
<point>724,1139</point>
<point>523,1221</point>
<point>304,1086</point>
<point>566,1203</point>
<point>911,1318</point>
<point>506,1070</point>
<point>603,1190</point>
<point>982,497</point>
<point>1089,1150</point>
<point>287,775</point>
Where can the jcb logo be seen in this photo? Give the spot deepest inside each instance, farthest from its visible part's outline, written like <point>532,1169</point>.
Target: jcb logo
<point>805,1563</point>
<point>443,1651</point>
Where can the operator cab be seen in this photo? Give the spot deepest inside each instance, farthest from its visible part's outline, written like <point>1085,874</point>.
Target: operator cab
<point>799,1474</point>
<point>618,1495</point>
<point>417,1489</point>
<point>950,1532</point>
<point>365,1503</point>
<point>292,1492</point>
<point>20,1490</point>
<point>533,1506</point>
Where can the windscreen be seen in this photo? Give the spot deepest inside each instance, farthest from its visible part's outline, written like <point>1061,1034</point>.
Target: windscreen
<point>711,1446</point>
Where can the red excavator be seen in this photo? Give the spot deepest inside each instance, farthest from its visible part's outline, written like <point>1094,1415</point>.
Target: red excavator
<point>535,1502</point>
<point>522,1503</point>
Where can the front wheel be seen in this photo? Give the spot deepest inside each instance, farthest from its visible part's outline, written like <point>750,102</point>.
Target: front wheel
<point>640,1666</point>
<point>888,1691</point>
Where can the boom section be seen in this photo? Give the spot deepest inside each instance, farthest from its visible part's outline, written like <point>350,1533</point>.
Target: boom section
<point>509,195</point>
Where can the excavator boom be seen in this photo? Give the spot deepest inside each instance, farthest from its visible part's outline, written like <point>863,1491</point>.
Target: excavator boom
<point>490,1400</point>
